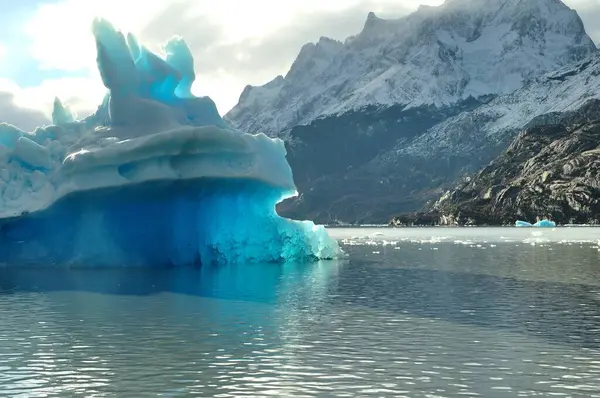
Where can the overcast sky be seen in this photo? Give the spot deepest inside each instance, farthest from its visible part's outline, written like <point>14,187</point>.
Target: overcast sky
<point>46,47</point>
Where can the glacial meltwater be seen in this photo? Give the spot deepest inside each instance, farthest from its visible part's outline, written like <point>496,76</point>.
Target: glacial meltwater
<point>416,312</point>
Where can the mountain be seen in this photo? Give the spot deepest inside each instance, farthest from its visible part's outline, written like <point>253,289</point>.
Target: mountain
<point>434,56</point>
<point>387,120</point>
<point>548,171</point>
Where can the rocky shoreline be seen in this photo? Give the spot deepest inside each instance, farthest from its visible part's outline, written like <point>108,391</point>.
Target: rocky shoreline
<point>549,171</point>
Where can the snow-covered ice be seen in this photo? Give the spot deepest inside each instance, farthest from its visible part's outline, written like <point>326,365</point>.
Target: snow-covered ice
<point>155,176</point>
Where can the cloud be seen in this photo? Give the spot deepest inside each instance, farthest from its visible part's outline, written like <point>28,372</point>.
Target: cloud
<point>61,47</point>
<point>276,52</point>
<point>589,11</point>
<point>28,107</point>
<point>255,59</point>
<point>61,32</point>
<point>229,65</point>
<point>235,43</point>
<point>24,118</point>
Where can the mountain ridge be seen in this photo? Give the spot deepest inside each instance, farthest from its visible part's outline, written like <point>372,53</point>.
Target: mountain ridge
<point>420,110</point>
<point>435,55</point>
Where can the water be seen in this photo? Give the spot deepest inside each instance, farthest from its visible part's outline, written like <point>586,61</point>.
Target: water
<point>413,312</point>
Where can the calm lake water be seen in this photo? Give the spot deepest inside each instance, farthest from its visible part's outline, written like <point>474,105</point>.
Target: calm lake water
<point>412,312</point>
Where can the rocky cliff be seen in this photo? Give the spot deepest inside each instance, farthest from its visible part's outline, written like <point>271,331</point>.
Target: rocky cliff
<point>549,171</point>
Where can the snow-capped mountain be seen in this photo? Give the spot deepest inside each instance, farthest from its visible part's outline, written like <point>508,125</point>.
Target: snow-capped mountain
<point>416,155</point>
<point>546,98</point>
<point>388,120</point>
<point>435,56</point>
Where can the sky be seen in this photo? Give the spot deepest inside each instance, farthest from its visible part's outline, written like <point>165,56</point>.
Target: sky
<point>47,49</point>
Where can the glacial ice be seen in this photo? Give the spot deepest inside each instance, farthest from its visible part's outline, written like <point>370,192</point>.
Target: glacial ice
<point>154,177</point>
<point>541,223</point>
<point>61,114</point>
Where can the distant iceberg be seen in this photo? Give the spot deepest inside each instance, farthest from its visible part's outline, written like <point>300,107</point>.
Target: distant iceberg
<point>154,177</point>
<point>541,223</point>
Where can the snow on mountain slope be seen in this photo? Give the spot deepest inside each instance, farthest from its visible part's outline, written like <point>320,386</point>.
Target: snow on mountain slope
<point>436,55</point>
<point>557,92</point>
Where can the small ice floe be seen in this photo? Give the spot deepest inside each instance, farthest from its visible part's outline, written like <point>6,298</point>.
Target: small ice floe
<point>542,224</point>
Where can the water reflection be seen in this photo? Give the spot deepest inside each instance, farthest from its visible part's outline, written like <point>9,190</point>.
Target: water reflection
<point>456,321</point>
<point>140,332</point>
<point>256,282</point>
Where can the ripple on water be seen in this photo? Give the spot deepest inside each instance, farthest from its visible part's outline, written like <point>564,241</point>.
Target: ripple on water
<point>444,323</point>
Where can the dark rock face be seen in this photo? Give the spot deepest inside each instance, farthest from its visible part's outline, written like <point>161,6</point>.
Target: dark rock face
<point>344,169</point>
<point>549,171</point>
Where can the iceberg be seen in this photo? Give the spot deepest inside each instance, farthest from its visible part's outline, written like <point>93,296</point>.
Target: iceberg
<point>541,223</point>
<point>154,177</point>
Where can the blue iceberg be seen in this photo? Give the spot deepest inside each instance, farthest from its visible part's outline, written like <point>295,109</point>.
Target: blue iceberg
<point>541,224</point>
<point>154,177</point>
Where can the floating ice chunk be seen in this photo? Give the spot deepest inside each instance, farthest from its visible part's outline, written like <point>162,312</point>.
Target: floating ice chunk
<point>520,223</point>
<point>545,224</point>
<point>154,177</point>
<point>541,223</point>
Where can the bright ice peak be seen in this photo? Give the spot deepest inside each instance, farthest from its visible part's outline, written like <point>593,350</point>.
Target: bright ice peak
<point>61,114</point>
<point>154,177</point>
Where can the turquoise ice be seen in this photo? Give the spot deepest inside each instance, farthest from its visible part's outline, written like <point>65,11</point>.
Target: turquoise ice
<point>154,177</point>
<point>541,223</point>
